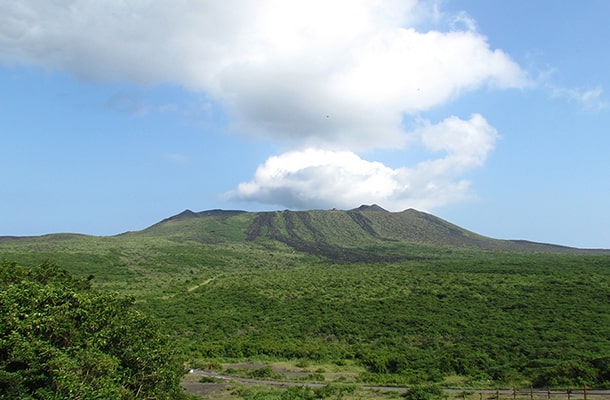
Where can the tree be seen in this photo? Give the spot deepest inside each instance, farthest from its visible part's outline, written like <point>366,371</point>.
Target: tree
<point>61,339</point>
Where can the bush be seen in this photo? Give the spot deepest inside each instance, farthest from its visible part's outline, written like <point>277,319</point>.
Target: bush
<point>334,390</point>
<point>265,372</point>
<point>59,338</point>
<point>423,392</point>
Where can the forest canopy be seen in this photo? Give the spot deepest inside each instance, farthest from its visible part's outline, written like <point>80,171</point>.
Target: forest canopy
<point>60,338</point>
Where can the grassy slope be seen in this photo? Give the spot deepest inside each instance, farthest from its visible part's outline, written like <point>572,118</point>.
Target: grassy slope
<point>355,231</point>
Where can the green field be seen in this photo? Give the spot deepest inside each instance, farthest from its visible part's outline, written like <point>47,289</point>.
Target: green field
<point>360,293</point>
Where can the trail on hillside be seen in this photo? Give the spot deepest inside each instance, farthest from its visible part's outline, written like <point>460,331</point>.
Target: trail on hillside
<point>207,281</point>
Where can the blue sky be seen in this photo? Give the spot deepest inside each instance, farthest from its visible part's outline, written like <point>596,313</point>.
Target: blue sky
<point>491,114</point>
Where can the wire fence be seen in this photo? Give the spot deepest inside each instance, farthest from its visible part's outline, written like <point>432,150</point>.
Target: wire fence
<point>536,394</point>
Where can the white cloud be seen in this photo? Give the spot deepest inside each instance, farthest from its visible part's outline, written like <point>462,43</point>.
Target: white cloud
<point>315,178</point>
<point>312,177</point>
<point>587,99</point>
<point>592,99</point>
<point>338,75</point>
<point>279,67</point>
<point>466,143</point>
<point>462,19</point>
<point>354,94</point>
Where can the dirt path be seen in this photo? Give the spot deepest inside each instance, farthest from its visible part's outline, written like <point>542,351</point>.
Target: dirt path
<point>207,281</point>
<point>212,390</point>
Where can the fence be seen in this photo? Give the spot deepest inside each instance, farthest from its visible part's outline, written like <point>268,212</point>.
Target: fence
<point>533,394</point>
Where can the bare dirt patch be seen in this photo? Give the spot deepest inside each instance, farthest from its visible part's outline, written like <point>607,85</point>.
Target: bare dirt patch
<point>206,390</point>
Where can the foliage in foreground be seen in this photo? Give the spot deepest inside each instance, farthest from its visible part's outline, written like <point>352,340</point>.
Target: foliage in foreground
<point>60,339</point>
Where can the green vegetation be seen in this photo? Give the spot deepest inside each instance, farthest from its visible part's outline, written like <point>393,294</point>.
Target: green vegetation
<point>61,339</point>
<point>427,392</point>
<point>395,298</point>
<point>294,393</point>
<point>507,318</point>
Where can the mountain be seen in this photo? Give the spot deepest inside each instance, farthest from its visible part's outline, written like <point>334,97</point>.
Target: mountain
<point>368,232</point>
<point>186,214</point>
<point>365,233</point>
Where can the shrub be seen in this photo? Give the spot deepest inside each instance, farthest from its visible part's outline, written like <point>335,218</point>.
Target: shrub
<point>423,392</point>
<point>59,338</point>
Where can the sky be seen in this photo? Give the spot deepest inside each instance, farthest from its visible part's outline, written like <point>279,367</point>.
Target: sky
<point>493,115</point>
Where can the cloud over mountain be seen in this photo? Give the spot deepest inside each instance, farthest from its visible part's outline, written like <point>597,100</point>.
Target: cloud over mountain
<point>327,79</point>
<point>325,179</point>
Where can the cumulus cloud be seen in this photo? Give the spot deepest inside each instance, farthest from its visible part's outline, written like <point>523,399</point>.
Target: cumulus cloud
<point>279,67</point>
<point>337,75</point>
<point>325,179</point>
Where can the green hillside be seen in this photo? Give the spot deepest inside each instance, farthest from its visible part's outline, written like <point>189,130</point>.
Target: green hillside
<point>402,297</point>
<point>368,232</point>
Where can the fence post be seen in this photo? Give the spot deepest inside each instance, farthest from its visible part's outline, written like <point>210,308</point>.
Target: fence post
<point>585,391</point>
<point>569,393</point>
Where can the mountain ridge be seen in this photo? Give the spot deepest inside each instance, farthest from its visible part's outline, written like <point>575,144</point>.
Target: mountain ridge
<point>365,226</point>
<point>365,233</point>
